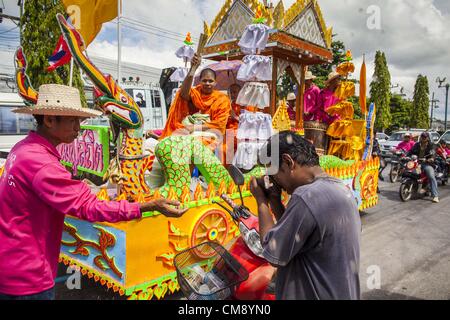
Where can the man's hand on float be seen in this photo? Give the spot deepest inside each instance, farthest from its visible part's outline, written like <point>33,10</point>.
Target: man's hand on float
<point>169,208</point>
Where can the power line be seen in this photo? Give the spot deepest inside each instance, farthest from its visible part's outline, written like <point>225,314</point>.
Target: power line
<point>153,33</point>
<point>13,28</point>
<point>149,26</point>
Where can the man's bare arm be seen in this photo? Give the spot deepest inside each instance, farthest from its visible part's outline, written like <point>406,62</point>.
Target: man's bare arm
<point>187,83</point>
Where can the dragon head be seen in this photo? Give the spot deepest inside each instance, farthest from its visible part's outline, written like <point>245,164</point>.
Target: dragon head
<point>25,89</point>
<point>114,100</point>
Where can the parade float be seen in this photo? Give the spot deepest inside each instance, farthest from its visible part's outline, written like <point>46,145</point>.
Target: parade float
<point>297,38</point>
<point>136,259</point>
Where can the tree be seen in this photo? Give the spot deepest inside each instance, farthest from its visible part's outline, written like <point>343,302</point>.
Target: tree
<point>420,118</point>
<point>285,86</point>
<point>40,34</point>
<point>322,71</point>
<point>380,92</point>
<point>401,112</point>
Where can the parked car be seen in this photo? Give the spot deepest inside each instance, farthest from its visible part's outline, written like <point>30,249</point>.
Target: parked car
<point>445,137</point>
<point>397,137</point>
<point>382,137</point>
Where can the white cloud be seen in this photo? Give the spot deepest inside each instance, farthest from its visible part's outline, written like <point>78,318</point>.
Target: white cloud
<point>414,34</point>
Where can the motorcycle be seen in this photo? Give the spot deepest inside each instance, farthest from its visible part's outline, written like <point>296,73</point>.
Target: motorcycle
<point>398,164</point>
<point>247,250</point>
<point>444,167</point>
<point>415,179</point>
<point>245,255</point>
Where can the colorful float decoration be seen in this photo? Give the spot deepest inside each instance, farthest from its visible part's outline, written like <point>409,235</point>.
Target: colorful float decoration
<point>298,37</point>
<point>136,259</point>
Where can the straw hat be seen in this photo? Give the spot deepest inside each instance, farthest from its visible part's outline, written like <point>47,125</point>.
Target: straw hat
<point>333,75</point>
<point>59,100</point>
<point>310,76</point>
<point>291,96</point>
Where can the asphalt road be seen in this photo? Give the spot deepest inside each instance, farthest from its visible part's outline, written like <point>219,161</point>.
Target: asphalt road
<point>405,252</point>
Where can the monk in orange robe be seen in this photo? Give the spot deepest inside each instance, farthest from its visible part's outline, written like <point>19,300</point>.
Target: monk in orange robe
<point>230,145</point>
<point>200,99</point>
<point>233,122</point>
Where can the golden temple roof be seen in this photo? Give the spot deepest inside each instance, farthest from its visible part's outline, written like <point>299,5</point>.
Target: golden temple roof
<point>277,17</point>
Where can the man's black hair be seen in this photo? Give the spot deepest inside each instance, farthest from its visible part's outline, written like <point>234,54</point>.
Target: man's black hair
<point>208,70</point>
<point>40,119</point>
<point>298,148</point>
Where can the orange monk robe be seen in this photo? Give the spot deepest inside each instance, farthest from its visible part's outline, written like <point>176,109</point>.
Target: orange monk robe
<point>230,144</point>
<point>217,105</point>
<point>232,123</point>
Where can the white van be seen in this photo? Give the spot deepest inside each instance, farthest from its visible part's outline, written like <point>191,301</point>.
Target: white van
<point>13,127</point>
<point>150,99</point>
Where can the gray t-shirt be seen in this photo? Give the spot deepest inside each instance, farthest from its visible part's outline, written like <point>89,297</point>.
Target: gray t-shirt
<point>316,244</point>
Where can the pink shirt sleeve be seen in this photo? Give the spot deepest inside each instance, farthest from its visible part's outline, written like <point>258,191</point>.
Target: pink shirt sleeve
<point>55,186</point>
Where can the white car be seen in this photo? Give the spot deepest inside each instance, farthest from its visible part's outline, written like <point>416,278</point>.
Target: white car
<point>382,137</point>
<point>446,137</point>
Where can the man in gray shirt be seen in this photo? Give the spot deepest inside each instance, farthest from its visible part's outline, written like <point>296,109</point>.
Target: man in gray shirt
<point>316,241</point>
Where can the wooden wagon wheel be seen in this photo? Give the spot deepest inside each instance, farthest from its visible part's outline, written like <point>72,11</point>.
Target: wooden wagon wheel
<point>212,226</point>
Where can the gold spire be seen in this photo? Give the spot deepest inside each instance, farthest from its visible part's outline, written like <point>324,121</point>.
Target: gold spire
<point>278,16</point>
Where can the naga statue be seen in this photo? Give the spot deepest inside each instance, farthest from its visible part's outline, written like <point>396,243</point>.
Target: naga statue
<point>176,153</point>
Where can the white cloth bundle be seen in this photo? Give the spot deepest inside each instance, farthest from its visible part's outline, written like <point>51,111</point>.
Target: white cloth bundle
<point>255,38</point>
<point>186,52</point>
<point>179,75</point>
<point>255,68</point>
<point>254,126</point>
<point>246,156</point>
<point>254,94</point>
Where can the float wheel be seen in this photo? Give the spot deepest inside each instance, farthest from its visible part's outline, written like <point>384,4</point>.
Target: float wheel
<point>368,186</point>
<point>213,226</point>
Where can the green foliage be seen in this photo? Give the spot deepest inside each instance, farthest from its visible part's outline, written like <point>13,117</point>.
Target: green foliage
<point>401,110</point>
<point>285,86</point>
<point>420,118</point>
<point>40,34</point>
<point>380,92</point>
<point>322,71</point>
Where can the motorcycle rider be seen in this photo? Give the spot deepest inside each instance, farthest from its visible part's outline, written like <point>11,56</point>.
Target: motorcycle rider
<point>424,149</point>
<point>407,144</point>
<point>444,153</point>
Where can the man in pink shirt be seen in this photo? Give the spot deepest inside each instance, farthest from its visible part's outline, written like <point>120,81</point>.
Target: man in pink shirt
<point>36,193</point>
<point>328,99</point>
<point>312,94</point>
<point>407,144</point>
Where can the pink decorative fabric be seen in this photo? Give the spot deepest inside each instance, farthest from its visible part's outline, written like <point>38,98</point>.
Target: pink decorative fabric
<point>312,106</point>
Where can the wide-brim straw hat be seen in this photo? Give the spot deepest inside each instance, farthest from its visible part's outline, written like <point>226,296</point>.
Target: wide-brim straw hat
<point>310,76</point>
<point>332,76</point>
<point>291,96</point>
<point>59,100</point>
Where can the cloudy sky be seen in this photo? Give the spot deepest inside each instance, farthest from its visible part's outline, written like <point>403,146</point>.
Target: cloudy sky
<point>413,34</point>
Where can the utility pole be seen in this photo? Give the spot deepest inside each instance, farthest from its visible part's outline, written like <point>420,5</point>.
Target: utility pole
<point>447,87</point>
<point>433,105</point>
